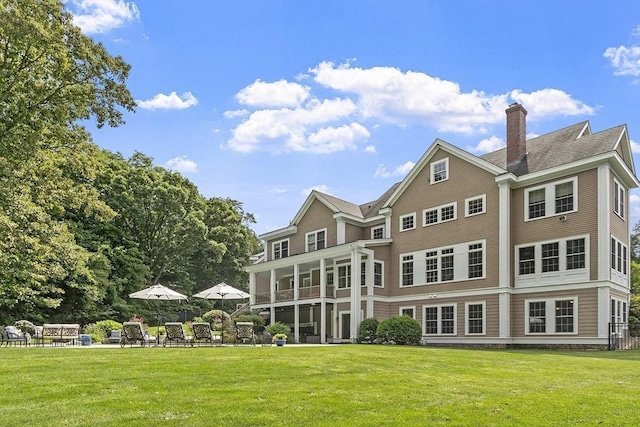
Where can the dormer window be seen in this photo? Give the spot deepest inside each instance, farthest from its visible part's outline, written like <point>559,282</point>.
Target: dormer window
<point>440,171</point>
<point>280,249</point>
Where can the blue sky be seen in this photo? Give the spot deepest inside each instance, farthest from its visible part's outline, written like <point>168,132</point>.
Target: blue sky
<point>263,101</point>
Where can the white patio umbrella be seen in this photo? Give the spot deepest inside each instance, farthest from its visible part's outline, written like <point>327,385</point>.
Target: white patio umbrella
<point>222,291</point>
<point>158,292</point>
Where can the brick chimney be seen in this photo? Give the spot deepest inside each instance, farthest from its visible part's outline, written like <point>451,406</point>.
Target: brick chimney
<point>516,133</point>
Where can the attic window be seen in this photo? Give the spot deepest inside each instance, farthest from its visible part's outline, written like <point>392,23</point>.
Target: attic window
<point>440,171</point>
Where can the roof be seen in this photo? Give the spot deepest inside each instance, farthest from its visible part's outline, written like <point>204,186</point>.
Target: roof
<point>558,148</point>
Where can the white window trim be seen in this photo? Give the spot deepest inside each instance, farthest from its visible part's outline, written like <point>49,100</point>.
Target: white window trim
<point>619,208</point>
<point>439,307</point>
<point>484,317</point>
<point>460,264</point>
<point>315,232</point>
<point>432,171</point>
<point>483,197</point>
<point>413,214</point>
<point>336,277</point>
<point>550,199</point>
<point>562,276</point>
<point>550,315</point>
<point>439,215</point>
<point>375,261</point>
<point>373,229</point>
<point>306,282</point>
<point>407,307</point>
<point>617,275</point>
<point>273,250</point>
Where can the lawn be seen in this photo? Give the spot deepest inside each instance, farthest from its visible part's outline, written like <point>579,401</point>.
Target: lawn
<point>343,385</point>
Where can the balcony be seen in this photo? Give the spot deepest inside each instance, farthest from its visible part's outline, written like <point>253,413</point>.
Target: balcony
<point>308,292</point>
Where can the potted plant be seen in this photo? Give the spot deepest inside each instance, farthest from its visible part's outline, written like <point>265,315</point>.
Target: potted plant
<point>279,339</point>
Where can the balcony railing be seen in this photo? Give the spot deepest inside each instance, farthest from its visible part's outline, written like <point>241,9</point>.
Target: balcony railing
<point>288,294</point>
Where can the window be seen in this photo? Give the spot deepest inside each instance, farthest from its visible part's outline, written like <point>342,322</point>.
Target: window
<point>344,276</point>
<point>618,256</point>
<point>527,260</point>
<point>475,260</point>
<point>280,249</point>
<point>363,274</point>
<point>475,205</point>
<point>475,318</point>
<point>408,311</point>
<point>377,233</point>
<point>464,261</point>
<point>377,273</point>
<point>619,198</point>
<point>316,240</point>
<point>561,261</point>
<point>550,257</point>
<point>438,214</point>
<point>407,270</point>
<point>440,320</point>
<point>551,199</point>
<point>330,277</point>
<point>408,222</point>
<point>439,171</point>
<point>552,316</point>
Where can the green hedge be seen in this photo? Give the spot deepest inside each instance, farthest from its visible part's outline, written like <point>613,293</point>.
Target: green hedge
<point>403,330</point>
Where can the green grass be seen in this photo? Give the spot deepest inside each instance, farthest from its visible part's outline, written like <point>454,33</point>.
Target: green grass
<point>333,385</point>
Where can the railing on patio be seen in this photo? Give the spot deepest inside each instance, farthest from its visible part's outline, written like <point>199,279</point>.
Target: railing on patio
<point>624,336</point>
<point>288,294</point>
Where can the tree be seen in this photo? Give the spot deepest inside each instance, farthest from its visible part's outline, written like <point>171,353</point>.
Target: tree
<point>51,76</point>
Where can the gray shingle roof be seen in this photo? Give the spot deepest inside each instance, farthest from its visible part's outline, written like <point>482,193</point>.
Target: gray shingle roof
<point>558,148</point>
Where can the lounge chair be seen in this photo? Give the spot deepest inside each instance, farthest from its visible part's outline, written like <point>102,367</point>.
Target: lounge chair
<point>175,333</point>
<point>132,333</point>
<point>115,337</point>
<point>202,333</point>
<point>244,333</point>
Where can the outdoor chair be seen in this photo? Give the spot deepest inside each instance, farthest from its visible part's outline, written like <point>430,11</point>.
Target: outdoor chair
<point>115,337</point>
<point>175,333</point>
<point>202,333</point>
<point>132,333</point>
<point>244,333</point>
<point>12,336</point>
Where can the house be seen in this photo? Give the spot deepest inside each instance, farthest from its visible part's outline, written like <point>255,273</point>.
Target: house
<point>524,246</point>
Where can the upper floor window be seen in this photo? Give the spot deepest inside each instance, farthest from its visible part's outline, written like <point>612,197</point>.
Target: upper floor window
<point>551,199</point>
<point>552,262</point>
<point>619,198</point>
<point>407,270</point>
<point>475,205</point>
<point>378,273</point>
<point>316,240</point>
<point>408,222</point>
<point>377,232</point>
<point>344,276</point>
<point>440,170</point>
<point>280,249</point>
<point>438,214</point>
<point>618,256</point>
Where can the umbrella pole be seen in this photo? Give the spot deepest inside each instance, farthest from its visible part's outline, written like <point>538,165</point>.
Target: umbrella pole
<point>222,317</point>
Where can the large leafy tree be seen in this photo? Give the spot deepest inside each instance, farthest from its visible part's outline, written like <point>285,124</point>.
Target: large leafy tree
<point>51,76</point>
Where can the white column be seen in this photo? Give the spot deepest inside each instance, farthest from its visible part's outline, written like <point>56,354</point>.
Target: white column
<point>341,231</point>
<point>604,196</point>
<point>252,288</point>
<point>296,278</point>
<point>356,293</point>
<point>604,305</point>
<point>504,301</point>
<point>272,286</point>
<point>504,235</point>
<point>296,322</point>
<point>323,302</point>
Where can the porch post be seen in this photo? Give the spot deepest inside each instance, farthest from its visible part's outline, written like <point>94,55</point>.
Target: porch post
<point>272,286</point>
<point>296,322</point>
<point>323,302</point>
<point>356,292</point>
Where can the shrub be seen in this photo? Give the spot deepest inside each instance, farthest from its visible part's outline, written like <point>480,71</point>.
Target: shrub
<point>367,333</point>
<point>399,330</point>
<point>258,321</point>
<point>99,331</point>
<point>26,326</point>
<point>278,328</point>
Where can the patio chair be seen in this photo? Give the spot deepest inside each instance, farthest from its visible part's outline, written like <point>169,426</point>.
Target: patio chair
<point>244,333</point>
<point>115,337</point>
<point>175,333</point>
<point>132,333</point>
<point>202,333</point>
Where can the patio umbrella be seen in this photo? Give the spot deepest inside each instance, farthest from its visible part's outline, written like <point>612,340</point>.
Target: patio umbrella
<point>222,291</point>
<point>158,292</point>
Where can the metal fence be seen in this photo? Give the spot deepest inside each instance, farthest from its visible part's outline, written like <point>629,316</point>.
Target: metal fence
<point>624,336</point>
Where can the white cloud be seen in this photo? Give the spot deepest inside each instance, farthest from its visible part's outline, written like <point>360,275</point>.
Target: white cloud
<point>101,16</point>
<point>321,188</point>
<point>402,170</point>
<point>172,101</point>
<point>235,113</point>
<point>182,164</point>
<point>370,149</point>
<point>625,60</point>
<point>635,147</point>
<point>550,102</point>
<point>288,129</point>
<point>286,117</point>
<point>277,190</point>
<point>280,94</point>
<point>488,145</point>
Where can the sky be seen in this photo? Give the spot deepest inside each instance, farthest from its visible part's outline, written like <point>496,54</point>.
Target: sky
<point>264,101</point>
